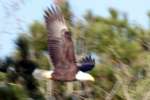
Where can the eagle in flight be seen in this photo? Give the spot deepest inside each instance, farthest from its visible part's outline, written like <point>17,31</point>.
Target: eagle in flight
<point>61,52</point>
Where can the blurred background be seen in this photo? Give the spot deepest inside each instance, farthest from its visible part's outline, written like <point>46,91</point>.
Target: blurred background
<point>115,32</point>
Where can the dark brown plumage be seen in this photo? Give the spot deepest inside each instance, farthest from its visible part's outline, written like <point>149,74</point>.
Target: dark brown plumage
<point>60,46</point>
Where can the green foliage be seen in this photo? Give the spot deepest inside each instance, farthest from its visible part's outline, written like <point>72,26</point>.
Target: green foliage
<point>12,91</point>
<point>38,36</point>
<point>23,46</point>
<point>2,76</point>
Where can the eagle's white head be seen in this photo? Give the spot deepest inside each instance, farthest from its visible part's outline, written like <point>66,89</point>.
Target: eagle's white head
<point>82,76</point>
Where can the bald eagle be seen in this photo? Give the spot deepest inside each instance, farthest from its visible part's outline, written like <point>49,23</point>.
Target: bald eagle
<point>61,52</point>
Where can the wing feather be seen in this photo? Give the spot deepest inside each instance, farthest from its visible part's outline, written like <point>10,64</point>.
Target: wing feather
<point>60,44</point>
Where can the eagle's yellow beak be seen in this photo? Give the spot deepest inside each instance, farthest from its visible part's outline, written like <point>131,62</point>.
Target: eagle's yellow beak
<point>92,78</point>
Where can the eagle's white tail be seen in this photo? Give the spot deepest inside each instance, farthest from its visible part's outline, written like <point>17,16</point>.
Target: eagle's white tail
<point>41,74</point>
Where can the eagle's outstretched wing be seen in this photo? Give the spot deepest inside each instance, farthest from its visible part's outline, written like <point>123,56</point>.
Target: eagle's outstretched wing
<point>86,64</point>
<point>60,46</point>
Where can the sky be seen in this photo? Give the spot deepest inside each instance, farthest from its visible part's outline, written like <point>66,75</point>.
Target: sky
<point>18,16</point>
